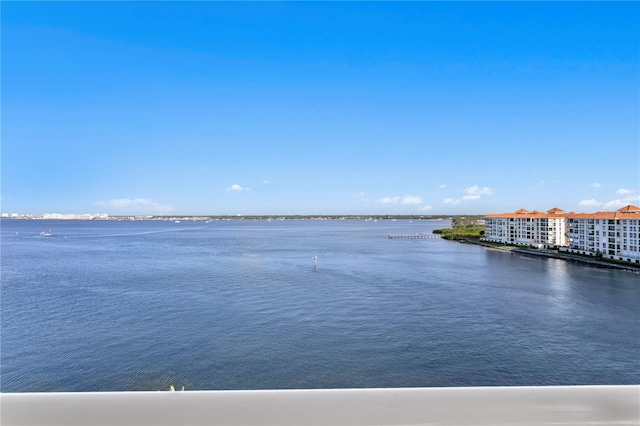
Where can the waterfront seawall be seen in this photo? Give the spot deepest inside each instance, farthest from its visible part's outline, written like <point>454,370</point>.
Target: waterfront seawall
<point>557,255</point>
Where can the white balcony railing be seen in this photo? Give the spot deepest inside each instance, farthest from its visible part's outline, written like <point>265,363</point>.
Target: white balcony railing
<point>563,405</point>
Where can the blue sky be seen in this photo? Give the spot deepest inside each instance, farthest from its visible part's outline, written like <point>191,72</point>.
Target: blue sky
<point>319,107</point>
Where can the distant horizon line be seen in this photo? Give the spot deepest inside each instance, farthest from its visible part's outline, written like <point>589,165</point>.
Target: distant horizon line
<point>102,216</point>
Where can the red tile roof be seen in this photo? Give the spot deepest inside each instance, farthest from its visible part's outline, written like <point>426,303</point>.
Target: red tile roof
<point>627,212</point>
<point>629,209</point>
<point>555,210</point>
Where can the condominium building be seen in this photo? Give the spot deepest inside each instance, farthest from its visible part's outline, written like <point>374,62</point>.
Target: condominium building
<point>534,228</point>
<point>613,235</point>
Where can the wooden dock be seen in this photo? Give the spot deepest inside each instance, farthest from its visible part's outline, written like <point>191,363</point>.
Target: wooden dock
<point>415,236</point>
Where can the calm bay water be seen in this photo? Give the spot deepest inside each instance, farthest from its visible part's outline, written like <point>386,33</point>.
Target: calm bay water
<point>238,305</point>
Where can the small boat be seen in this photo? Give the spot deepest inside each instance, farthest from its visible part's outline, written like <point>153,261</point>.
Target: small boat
<point>46,233</point>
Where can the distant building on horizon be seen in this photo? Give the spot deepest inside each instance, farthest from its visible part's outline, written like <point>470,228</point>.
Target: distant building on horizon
<point>614,235</point>
<point>73,216</point>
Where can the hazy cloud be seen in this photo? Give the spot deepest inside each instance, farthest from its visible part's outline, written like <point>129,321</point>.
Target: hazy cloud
<point>135,206</point>
<point>236,187</point>
<point>623,191</point>
<point>388,200</point>
<point>410,199</point>
<point>451,201</point>
<point>424,208</point>
<point>621,202</point>
<point>443,186</point>
<point>615,204</point>
<point>362,197</point>
<point>590,203</point>
<point>476,190</point>
<point>266,182</point>
<point>595,185</point>
<point>407,199</point>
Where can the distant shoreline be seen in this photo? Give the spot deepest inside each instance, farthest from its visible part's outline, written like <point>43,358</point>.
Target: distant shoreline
<point>260,217</point>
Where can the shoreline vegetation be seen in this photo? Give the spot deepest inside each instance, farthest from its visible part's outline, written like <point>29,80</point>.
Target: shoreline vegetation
<point>462,228</point>
<point>468,231</point>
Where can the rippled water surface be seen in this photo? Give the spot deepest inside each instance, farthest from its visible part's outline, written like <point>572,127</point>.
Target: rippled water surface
<point>238,305</point>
